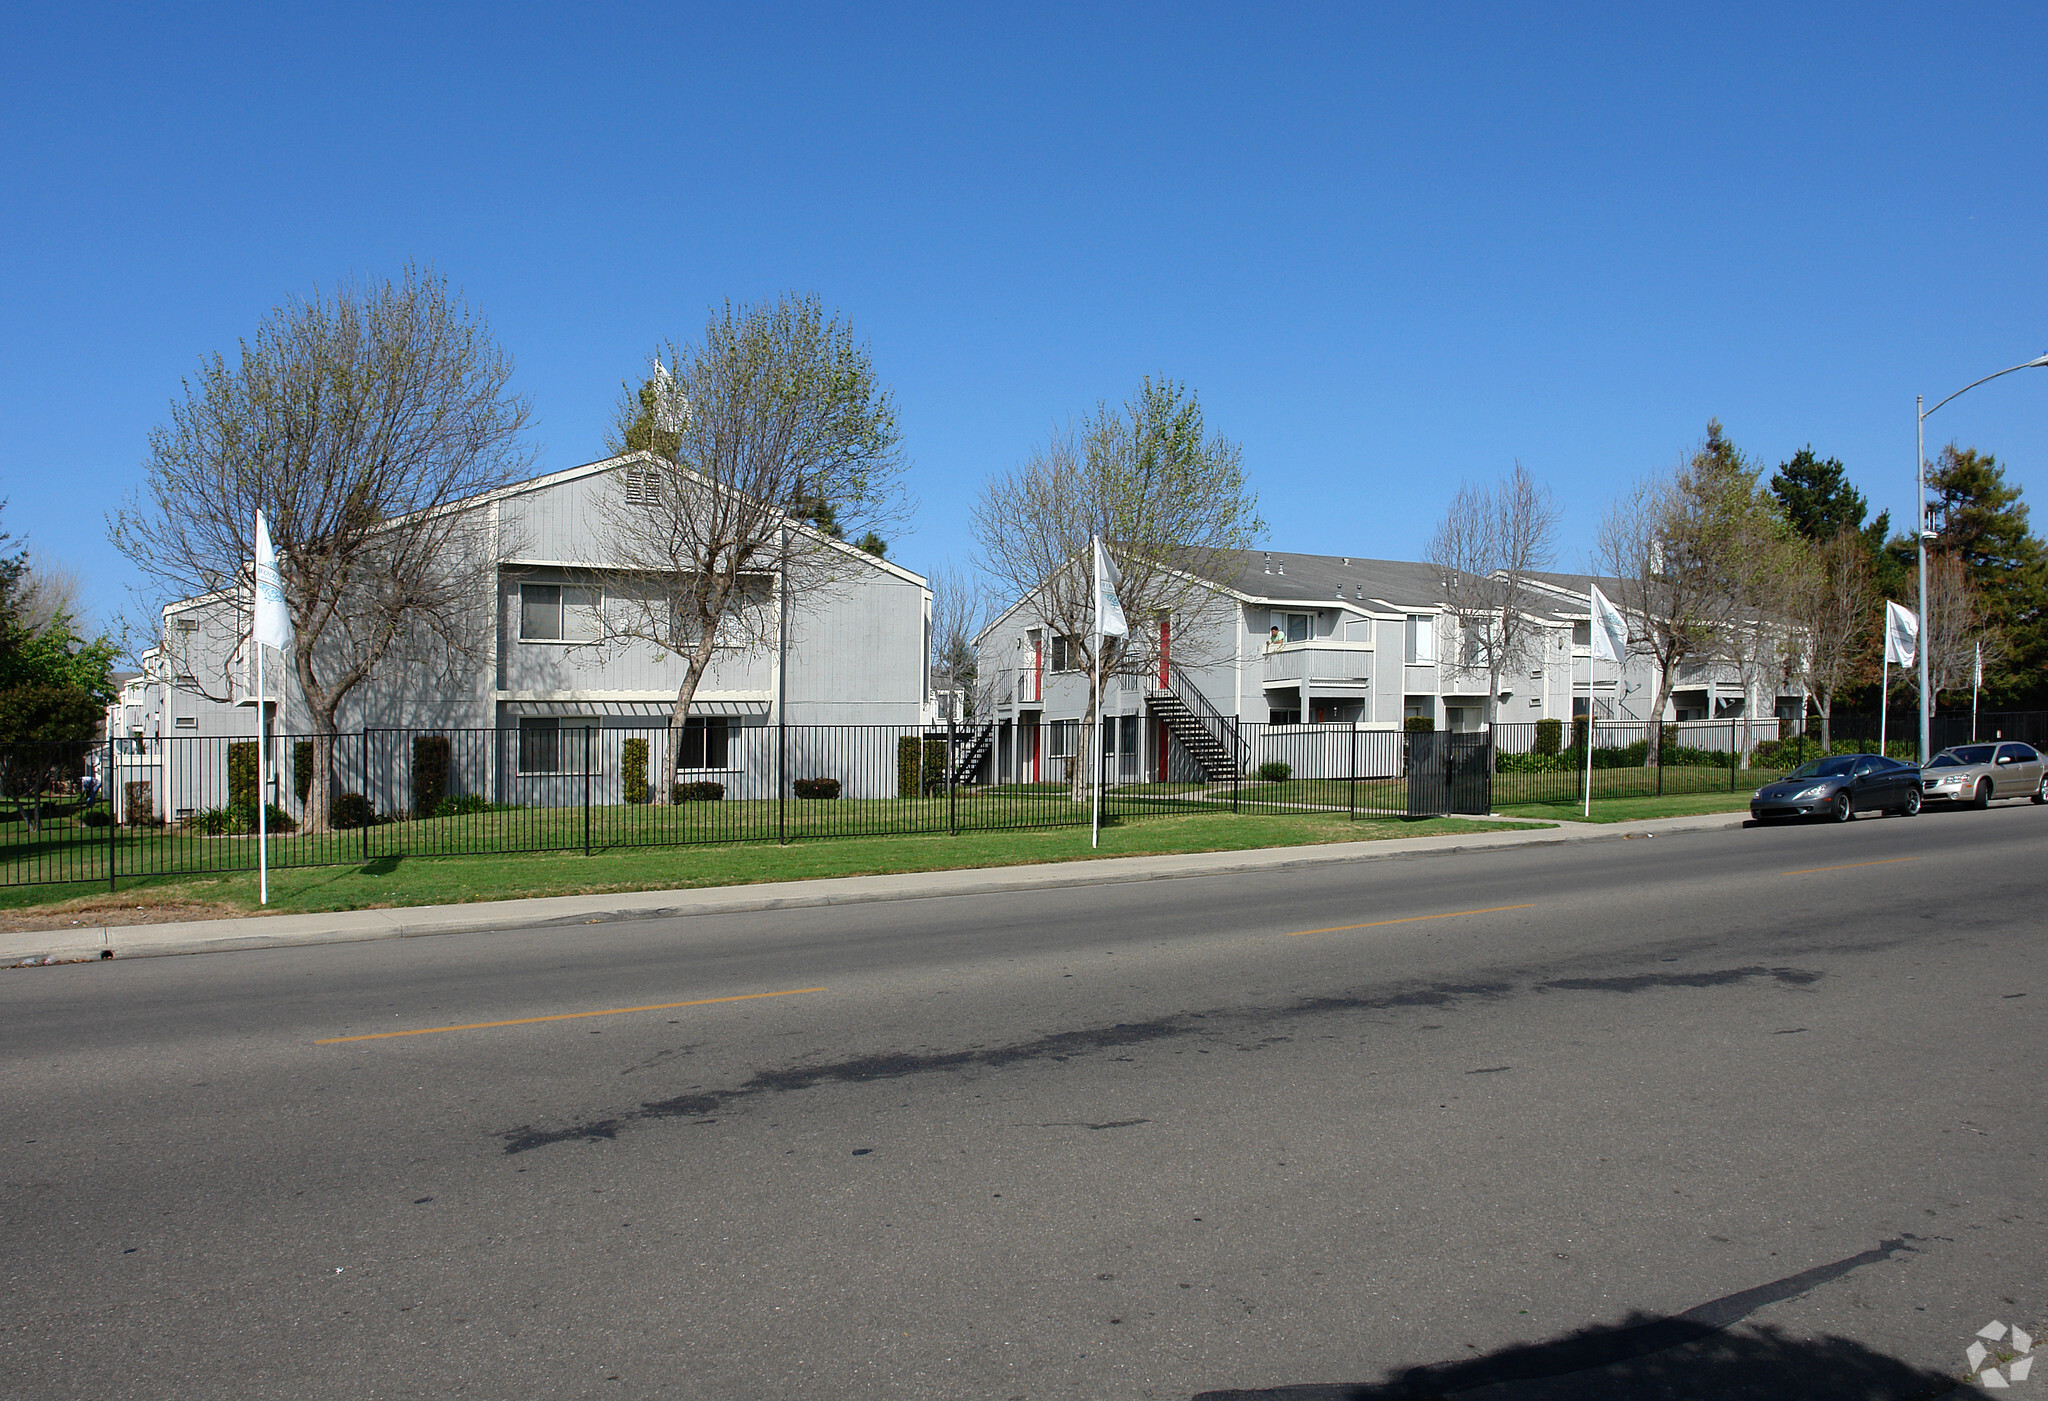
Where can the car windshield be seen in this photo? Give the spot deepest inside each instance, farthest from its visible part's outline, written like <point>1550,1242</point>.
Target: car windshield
<point>1962,754</point>
<point>1837,767</point>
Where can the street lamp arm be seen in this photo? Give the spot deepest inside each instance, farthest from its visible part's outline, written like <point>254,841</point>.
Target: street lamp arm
<point>2039,361</point>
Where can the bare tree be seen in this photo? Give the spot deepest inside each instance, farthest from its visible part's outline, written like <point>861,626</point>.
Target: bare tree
<point>1167,497</point>
<point>959,612</point>
<point>1833,606</point>
<point>358,423</point>
<point>761,444</point>
<point>1672,545</point>
<point>1483,552</point>
<point>1956,625</point>
<point>1767,566</point>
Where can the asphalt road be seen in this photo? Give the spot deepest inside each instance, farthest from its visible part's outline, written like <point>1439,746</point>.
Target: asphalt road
<point>1729,1113</point>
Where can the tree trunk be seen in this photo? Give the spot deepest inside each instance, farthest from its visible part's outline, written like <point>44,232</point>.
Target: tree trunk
<point>320,793</point>
<point>1653,752</point>
<point>679,714</point>
<point>1827,720</point>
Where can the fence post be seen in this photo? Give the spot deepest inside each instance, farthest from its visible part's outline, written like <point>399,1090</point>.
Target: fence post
<point>366,792</point>
<point>1658,740</point>
<point>1237,761</point>
<point>586,790</point>
<point>1351,798</point>
<point>111,823</point>
<point>781,778</point>
<point>1734,757</point>
<point>952,803</point>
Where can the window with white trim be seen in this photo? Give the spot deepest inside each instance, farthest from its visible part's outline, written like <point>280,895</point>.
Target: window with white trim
<point>559,612</point>
<point>706,743</point>
<point>556,744</point>
<point>1421,648</point>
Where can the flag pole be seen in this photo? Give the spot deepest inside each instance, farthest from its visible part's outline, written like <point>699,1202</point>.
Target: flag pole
<point>262,752</point>
<point>1095,815</point>
<point>1591,661</point>
<point>1976,683</point>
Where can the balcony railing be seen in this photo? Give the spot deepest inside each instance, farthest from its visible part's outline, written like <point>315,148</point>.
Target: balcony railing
<point>1344,663</point>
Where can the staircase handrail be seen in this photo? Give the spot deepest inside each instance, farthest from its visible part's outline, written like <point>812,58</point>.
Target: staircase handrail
<point>1222,726</point>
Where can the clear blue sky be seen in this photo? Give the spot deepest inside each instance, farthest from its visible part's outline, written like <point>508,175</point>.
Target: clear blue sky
<point>1391,248</point>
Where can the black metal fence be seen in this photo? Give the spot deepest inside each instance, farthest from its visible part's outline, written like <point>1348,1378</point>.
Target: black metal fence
<point>79,813</point>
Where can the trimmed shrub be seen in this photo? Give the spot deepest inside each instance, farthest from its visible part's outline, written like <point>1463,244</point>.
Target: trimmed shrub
<point>1549,736</point>
<point>275,818</point>
<point>429,773</point>
<point>350,810</point>
<point>1419,725</point>
<point>141,802</point>
<point>242,777</point>
<point>1275,771</point>
<point>1533,763</point>
<point>816,787</point>
<point>699,792</point>
<point>464,806</point>
<point>302,768</point>
<point>1579,724</point>
<point>212,822</point>
<point>633,769</point>
<point>96,817</point>
<point>920,766</point>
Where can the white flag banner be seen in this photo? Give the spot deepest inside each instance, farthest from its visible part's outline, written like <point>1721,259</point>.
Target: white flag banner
<point>1109,613</point>
<point>1610,630</point>
<point>1977,674</point>
<point>272,626</point>
<point>1901,634</point>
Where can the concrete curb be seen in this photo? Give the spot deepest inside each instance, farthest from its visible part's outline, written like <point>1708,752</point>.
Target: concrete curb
<point>568,911</point>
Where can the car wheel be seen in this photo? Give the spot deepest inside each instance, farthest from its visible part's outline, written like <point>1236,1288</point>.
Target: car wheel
<point>2041,793</point>
<point>1911,807</point>
<point>1842,810</point>
<point>1982,797</point>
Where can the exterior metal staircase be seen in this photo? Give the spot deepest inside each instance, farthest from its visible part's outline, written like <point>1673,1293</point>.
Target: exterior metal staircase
<point>972,752</point>
<point>1208,736</point>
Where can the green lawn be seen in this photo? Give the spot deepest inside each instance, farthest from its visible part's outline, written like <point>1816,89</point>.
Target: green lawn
<point>431,880</point>
<point>1632,809</point>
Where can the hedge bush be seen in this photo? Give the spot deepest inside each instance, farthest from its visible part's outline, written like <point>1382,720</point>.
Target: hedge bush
<point>1549,736</point>
<point>302,768</point>
<point>699,792</point>
<point>816,787</point>
<point>141,802</point>
<point>242,776</point>
<point>1275,772</point>
<point>1419,725</point>
<point>464,806</point>
<point>429,773</point>
<point>633,768</point>
<point>350,810</point>
<point>912,779</point>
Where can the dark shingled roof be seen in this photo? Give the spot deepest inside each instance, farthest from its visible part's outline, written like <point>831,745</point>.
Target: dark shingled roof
<point>1387,585</point>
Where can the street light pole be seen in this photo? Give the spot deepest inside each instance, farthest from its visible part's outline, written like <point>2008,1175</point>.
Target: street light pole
<point>1920,530</point>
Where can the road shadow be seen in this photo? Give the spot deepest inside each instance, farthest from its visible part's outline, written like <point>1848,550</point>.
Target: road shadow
<point>1699,1354</point>
<point>1650,1356</point>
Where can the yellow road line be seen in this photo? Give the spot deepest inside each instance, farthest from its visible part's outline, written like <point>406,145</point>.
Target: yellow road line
<point>1851,865</point>
<point>565,1016</point>
<point>1410,919</point>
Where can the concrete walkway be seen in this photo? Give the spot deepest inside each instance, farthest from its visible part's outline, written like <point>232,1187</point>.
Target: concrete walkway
<point>347,926</point>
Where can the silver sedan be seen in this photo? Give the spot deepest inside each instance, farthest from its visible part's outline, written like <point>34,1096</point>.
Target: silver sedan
<point>1978,773</point>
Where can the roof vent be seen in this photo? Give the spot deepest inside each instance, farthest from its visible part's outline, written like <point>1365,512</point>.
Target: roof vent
<point>1269,564</point>
<point>1347,561</point>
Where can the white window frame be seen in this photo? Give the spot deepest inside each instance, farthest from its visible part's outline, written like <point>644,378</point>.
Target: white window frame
<point>562,605</point>
<point>1419,647</point>
<point>562,724</point>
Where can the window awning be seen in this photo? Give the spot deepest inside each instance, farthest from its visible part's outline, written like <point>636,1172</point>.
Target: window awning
<point>646,712</point>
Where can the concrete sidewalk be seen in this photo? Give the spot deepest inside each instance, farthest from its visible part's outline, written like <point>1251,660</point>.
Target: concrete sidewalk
<point>348,926</point>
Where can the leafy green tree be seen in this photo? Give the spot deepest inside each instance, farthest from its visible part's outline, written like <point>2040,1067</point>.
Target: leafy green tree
<point>1977,516</point>
<point>1818,502</point>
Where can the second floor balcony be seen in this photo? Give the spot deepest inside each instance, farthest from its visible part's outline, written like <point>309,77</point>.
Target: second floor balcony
<point>1324,660</point>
